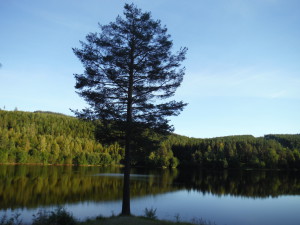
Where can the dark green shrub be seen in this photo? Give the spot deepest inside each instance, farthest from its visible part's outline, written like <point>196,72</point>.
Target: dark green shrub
<point>150,213</point>
<point>14,220</point>
<point>57,217</point>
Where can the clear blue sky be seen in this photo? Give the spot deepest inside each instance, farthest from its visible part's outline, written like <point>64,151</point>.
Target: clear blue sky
<point>242,67</point>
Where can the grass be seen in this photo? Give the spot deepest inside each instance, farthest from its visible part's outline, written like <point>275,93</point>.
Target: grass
<point>129,220</point>
<point>61,217</point>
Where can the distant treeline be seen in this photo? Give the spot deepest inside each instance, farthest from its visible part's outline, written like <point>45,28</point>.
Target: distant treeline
<point>53,138</point>
<point>270,151</point>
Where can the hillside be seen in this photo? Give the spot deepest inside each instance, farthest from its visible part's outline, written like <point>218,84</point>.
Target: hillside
<point>53,138</point>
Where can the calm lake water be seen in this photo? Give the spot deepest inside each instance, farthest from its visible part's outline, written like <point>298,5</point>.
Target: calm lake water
<point>230,197</point>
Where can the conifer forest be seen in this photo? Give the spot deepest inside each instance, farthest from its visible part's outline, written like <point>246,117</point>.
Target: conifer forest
<point>53,138</point>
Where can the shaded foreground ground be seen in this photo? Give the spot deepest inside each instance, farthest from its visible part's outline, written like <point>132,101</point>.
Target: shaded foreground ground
<point>131,220</point>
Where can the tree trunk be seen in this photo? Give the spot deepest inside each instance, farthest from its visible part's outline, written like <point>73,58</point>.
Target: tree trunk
<point>126,180</point>
<point>126,185</point>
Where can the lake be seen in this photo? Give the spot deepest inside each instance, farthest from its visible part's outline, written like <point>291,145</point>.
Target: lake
<point>231,197</point>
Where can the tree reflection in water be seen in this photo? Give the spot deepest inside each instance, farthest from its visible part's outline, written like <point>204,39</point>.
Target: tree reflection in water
<point>24,186</point>
<point>243,183</point>
<point>33,186</point>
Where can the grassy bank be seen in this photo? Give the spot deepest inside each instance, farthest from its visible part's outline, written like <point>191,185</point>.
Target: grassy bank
<point>62,217</point>
<point>133,220</point>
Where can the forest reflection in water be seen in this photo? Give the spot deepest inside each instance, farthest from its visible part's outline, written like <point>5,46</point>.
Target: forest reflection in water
<point>25,186</point>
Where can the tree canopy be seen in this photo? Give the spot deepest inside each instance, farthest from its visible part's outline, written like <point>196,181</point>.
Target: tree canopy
<point>128,65</point>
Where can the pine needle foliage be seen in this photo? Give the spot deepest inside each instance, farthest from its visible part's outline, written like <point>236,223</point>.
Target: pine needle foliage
<point>130,72</point>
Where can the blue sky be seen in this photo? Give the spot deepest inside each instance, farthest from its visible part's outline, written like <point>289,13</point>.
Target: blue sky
<point>242,67</point>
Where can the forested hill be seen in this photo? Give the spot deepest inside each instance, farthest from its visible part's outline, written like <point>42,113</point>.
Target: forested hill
<point>245,151</point>
<point>44,137</point>
<point>53,138</point>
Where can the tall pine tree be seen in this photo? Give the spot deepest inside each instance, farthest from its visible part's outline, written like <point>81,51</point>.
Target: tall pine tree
<point>128,65</point>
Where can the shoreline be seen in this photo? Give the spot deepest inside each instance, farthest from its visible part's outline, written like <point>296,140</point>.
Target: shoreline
<point>137,220</point>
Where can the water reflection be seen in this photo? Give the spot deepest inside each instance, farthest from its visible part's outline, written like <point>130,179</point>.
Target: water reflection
<point>253,184</point>
<point>33,186</point>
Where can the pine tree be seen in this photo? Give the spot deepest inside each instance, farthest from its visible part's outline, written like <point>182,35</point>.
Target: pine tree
<point>128,65</point>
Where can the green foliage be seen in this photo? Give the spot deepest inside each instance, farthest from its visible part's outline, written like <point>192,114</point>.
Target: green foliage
<point>129,64</point>
<point>14,220</point>
<point>57,217</point>
<point>52,138</point>
<point>3,156</point>
<point>162,158</point>
<point>150,213</point>
<point>271,151</point>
